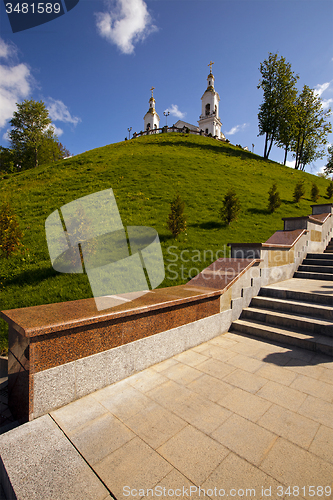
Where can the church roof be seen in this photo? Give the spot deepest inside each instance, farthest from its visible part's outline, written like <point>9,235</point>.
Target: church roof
<point>181,124</point>
<point>151,112</point>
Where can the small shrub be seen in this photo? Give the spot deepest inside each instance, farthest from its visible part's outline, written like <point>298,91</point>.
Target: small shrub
<point>299,191</point>
<point>230,207</point>
<point>176,219</point>
<point>315,192</point>
<point>329,190</point>
<point>274,200</point>
<point>10,233</point>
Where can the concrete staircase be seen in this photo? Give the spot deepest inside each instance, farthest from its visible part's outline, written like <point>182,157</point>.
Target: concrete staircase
<point>300,319</point>
<point>317,266</point>
<point>303,319</point>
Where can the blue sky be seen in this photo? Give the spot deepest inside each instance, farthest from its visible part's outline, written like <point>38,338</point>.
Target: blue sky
<point>95,65</point>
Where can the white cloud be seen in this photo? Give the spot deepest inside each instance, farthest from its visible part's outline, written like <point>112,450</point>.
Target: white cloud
<point>174,111</point>
<point>56,130</point>
<point>125,23</point>
<point>59,112</point>
<point>6,135</point>
<point>15,83</point>
<point>6,49</point>
<point>236,129</point>
<point>326,103</point>
<point>290,164</point>
<point>319,89</point>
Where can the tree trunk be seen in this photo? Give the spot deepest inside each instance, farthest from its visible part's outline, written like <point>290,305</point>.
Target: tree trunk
<point>266,141</point>
<point>297,153</point>
<point>270,146</point>
<point>285,154</point>
<point>300,152</point>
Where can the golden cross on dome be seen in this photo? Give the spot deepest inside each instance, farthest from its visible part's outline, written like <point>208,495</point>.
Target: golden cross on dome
<point>210,64</point>
<point>152,91</point>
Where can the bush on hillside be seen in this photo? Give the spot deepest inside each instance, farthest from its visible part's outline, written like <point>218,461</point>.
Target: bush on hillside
<point>10,233</point>
<point>176,219</point>
<point>329,190</point>
<point>299,191</point>
<point>230,207</point>
<point>315,192</point>
<point>274,200</point>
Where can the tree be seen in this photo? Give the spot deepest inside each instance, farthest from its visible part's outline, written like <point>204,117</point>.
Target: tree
<point>8,160</point>
<point>287,123</point>
<point>329,190</point>
<point>329,165</point>
<point>279,86</point>
<point>315,192</point>
<point>51,150</point>
<point>274,200</point>
<point>10,233</point>
<point>299,191</point>
<point>31,130</point>
<point>230,207</point>
<point>176,220</point>
<point>311,128</point>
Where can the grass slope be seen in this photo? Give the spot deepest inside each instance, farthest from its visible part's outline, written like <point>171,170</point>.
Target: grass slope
<point>145,175</point>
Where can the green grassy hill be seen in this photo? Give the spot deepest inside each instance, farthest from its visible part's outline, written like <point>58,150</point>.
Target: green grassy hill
<point>145,175</point>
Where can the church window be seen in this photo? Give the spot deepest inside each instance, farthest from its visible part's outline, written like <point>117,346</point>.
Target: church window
<point>215,109</point>
<point>148,126</point>
<point>207,109</point>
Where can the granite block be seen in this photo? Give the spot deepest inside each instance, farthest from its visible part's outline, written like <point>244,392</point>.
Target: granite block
<point>18,347</point>
<point>19,391</point>
<point>237,307</point>
<point>53,388</point>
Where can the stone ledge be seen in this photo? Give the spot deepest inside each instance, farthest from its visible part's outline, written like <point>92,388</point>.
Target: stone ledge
<point>51,318</point>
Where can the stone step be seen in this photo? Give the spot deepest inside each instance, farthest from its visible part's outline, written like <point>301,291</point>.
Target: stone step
<point>318,256</point>
<point>315,269</point>
<point>317,343</point>
<point>317,262</point>
<point>293,306</point>
<point>297,322</point>
<point>280,293</point>
<point>313,276</point>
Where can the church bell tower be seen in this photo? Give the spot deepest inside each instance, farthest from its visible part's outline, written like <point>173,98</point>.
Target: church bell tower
<point>209,120</point>
<point>151,118</point>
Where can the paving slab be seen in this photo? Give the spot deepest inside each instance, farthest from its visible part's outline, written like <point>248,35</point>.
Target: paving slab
<point>135,465</point>
<point>194,454</point>
<point>41,463</point>
<point>234,413</point>
<point>245,438</point>
<point>245,404</point>
<point>294,466</point>
<point>236,473</point>
<point>322,444</point>
<point>250,382</point>
<point>292,426</point>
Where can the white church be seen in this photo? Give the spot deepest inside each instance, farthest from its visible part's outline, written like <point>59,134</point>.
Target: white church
<point>209,121</point>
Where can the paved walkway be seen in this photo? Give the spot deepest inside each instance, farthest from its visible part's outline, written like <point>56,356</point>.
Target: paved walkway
<point>229,415</point>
